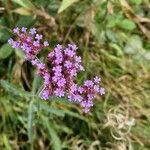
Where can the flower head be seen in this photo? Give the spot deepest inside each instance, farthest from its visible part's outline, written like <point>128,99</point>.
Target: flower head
<point>59,77</point>
<point>30,42</point>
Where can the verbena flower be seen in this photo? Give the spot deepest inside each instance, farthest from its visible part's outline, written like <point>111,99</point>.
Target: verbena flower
<point>64,67</point>
<point>29,42</point>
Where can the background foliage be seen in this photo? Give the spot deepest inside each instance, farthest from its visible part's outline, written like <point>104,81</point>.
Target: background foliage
<point>113,38</point>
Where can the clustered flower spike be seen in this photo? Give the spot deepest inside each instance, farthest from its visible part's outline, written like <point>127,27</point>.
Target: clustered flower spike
<point>30,42</point>
<point>64,67</point>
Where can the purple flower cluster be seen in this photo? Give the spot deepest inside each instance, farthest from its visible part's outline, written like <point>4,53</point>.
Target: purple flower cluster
<point>30,42</point>
<point>64,65</point>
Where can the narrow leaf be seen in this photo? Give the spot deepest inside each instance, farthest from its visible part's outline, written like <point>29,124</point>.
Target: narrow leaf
<point>6,142</point>
<point>49,109</point>
<point>118,49</point>
<point>30,121</point>
<point>52,134</point>
<point>137,2</point>
<point>65,4</point>
<point>73,114</point>
<point>35,83</point>
<point>13,89</point>
<point>22,11</point>
<point>24,3</point>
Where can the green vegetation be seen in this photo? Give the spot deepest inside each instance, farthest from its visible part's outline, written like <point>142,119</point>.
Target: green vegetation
<point>113,39</point>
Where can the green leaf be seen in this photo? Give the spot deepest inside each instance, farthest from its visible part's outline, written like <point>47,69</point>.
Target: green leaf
<point>25,21</point>
<point>137,2</point>
<point>73,114</point>
<point>133,45</point>
<point>13,89</point>
<point>52,134</point>
<point>146,55</point>
<point>141,128</point>
<point>30,120</point>
<point>65,4</point>
<point>126,24</point>
<point>19,53</point>
<point>64,129</point>
<point>110,56</point>
<point>36,83</point>
<point>49,109</point>
<point>111,35</point>
<point>117,48</point>
<point>4,35</point>
<point>24,3</point>
<point>3,21</point>
<point>5,51</point>
<point>6,142</point>
<point>22,11</point>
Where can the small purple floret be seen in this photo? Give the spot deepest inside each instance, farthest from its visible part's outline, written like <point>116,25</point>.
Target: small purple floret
<point>32,31</point>
<point>16,30</point>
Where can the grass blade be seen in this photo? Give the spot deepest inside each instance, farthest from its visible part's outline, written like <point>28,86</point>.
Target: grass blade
<point>52,134</point>
<point>65,4</point>
<point>24,3</point>
<point>14,89</point>
<point>30,121</point>
<point>6,142</point>
<point>51,110</point>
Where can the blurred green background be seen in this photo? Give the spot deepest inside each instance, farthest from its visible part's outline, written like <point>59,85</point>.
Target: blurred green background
<point>113,39</point>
